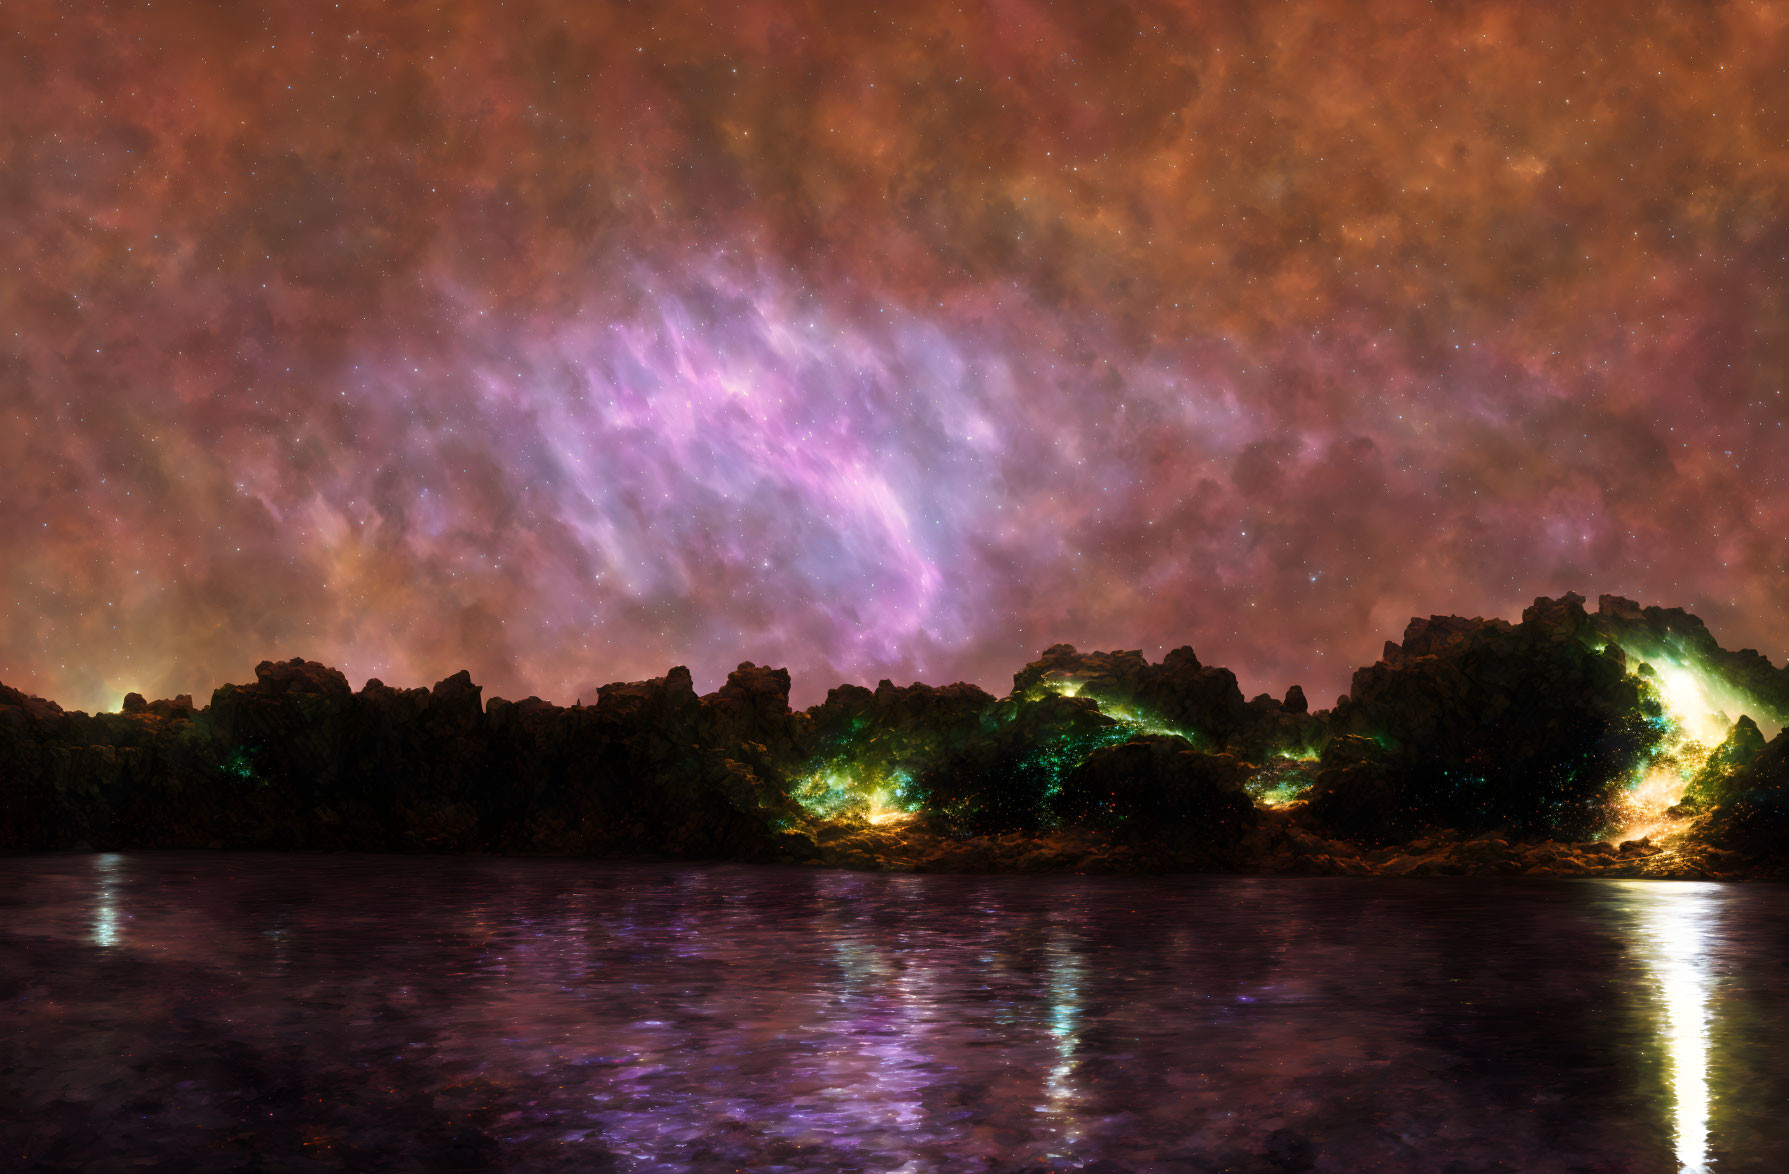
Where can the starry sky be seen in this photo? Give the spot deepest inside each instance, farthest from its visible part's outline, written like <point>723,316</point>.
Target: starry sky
<point>565,342</point>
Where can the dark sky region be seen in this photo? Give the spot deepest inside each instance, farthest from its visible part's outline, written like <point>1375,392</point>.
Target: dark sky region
<point>568,341</point>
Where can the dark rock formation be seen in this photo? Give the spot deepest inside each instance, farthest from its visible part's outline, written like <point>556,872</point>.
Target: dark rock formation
<point>1480,724</point>
<point>895,729</point>
<point>1723,776</point>
<point>1359,794</point>
<point>1199,702</point>
<point>1741,797</point>
<point>1473,745</point>
<point>1672,635</point>
<point>1005,778</point>
<point>298,760</point>
<point>1160,789</point>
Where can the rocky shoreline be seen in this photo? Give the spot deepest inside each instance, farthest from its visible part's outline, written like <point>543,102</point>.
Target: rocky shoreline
<point>1620,742</point>
<point>1285,850</point>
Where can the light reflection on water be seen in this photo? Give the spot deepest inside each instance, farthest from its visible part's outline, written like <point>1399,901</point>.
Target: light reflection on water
<point>1677,924</point>
<point>1064,1002</point>
<point>564,1015</point>
<point>105,899</point>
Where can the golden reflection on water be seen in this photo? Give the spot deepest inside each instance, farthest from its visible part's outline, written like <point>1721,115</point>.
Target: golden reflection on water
<point>1676,929</point>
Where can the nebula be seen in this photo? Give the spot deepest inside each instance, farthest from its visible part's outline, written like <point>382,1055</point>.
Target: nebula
<point>565,342</point>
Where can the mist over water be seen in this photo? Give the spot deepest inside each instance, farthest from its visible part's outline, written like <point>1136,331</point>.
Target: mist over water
<point>203,1011</point>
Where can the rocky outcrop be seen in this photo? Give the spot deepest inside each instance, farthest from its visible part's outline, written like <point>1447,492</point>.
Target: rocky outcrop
<point>298,760</point>
<point>894,728</point>
<point>1672,635</point>
<point>1741,797</point>
<point>1160,790</point>
<point>1481,724</point>
<point>1006,778</point>
<point>1197,701</point>
<point>1472,745</point>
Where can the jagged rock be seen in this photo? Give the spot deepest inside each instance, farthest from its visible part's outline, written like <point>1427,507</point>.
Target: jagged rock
<point>457,706</point>
<point>277,678</point>
<point>1003,779</point>
<point>1726,773</point>
<point>1180,693</point>
<point>28,706</point>
<point>892,733</point>
<point>1481,724</point>
<point>1159,787</point>
<point>1672,635</point>
<point>1474,746</point>
<point>1747,801</point>
<point>1356,793</point>
<point>179,709</point>
<point>753,706</point>
<point>667,704</point>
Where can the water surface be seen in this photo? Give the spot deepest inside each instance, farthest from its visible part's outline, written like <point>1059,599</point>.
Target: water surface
<point>224,1012</point>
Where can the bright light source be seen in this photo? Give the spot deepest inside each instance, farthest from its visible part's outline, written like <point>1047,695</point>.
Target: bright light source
<point>1697,711</point>
<point>1690,700</point>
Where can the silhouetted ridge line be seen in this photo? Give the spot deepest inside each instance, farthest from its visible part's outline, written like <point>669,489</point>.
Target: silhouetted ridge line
<point>1471,745</point>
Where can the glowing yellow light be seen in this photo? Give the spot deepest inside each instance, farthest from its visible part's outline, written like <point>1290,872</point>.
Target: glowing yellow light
<point>880,813</point>
<point>1686,694</point>
<point>1696,707</point>
<point>851,794</point>
<point>1644,811</point>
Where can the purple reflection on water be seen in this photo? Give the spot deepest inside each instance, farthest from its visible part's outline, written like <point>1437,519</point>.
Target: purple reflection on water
<point>211,1012</point>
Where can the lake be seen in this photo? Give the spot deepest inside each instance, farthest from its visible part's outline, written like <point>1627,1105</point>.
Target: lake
<point>213,1011</point>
